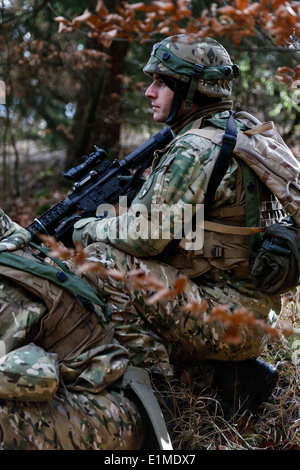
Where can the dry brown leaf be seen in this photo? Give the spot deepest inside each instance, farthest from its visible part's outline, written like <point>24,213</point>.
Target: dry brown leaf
<point>162,294</point>
<point>56,248</point>
<point>91,267</point>
<point>138,277</point>
<point>233,335</point>
<point>233,321</point>
<point>101,9</point>
<point>140,6</point>
<point>115,274</point>
<point>196,307</point>
<point>166,6</point>
<point>241,4</point>
<point>61,19</point>
<point>154,283</point>
<point>80,256</point>
<point>180,284</point>
<point>228,10</point>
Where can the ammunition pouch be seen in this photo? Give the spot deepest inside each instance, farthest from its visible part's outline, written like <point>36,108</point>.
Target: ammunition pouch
<point>276,268</point>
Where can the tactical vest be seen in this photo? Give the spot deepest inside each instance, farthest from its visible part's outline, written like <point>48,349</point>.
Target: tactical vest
<point>70,327</point>
<point>225,249</point>
<point>229,251</point>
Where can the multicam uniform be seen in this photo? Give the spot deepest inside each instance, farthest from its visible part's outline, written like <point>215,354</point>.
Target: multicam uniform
<point>179,176</point>
<point>60,368</point>
<point>87,411</point>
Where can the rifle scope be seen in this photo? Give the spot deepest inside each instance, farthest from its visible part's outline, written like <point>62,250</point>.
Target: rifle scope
<point>90,162</point>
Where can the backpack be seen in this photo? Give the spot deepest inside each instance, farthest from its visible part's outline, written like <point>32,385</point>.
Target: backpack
<point>276,267</point>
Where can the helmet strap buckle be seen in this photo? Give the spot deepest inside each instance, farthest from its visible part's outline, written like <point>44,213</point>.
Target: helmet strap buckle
<point>191,92</point>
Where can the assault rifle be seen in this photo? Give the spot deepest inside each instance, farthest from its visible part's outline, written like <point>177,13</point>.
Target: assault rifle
<point>95,185</point>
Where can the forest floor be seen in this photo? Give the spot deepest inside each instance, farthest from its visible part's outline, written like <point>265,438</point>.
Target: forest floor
<point>275,427</point>
<point>194,425</point>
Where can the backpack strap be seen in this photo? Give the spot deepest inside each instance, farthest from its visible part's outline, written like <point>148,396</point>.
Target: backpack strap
<point>228,143</point>
<point>65,279</point>
<point>229,140</point>
<point>221,165</point>
<point>231,229</point>
<point>138,379</point>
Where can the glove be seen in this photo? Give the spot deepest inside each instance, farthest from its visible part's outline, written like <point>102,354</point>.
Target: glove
<point>17,237</point>
<point>276,268</point>
<point>131,190</point>
<point>79,234</point>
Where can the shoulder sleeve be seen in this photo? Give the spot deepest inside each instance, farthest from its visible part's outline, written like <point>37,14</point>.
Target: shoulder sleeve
<point>7,227</point>
<point>147,228</point>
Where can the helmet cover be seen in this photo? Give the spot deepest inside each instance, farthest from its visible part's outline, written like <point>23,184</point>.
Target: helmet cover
<point>183,57</point>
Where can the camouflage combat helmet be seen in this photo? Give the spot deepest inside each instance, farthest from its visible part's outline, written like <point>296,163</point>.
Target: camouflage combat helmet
<point>195,64</point>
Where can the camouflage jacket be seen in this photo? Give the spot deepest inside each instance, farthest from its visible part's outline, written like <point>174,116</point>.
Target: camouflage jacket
<point>180,175</point>
<point>7,228</point>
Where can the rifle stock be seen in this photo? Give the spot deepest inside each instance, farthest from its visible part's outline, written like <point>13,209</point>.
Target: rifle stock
<point>95,185</point>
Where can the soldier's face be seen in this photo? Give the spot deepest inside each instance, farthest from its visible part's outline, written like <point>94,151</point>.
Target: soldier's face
<point>161,98</point>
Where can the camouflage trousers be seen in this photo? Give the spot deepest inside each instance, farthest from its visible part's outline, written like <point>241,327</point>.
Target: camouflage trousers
<point>45,414</point>
<point>154,332</point>
<point>106,421</point>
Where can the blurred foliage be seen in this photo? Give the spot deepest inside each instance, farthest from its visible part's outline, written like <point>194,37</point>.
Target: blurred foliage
<point>41,69</point>
<point>50,50</point>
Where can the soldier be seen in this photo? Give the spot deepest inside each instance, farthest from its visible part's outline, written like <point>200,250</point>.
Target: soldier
<point>191,81</point>
<point>73,394</point>
<point>61,369</point>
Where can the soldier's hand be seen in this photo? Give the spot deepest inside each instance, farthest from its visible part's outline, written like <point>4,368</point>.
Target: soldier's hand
<point>19,238</point>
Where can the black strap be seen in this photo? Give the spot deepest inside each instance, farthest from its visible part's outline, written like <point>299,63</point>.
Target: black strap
<point>221,165</point>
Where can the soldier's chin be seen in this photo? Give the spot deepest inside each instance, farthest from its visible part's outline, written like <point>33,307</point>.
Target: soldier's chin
<point>158,117</point>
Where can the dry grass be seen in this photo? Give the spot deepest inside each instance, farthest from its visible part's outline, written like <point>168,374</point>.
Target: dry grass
<point>277,427</point>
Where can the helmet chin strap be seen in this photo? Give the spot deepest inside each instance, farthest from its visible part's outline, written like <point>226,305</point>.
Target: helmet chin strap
<point>179,94</point>
<point>193,85</point>
<point>176,104</point>
<point>187,92</point>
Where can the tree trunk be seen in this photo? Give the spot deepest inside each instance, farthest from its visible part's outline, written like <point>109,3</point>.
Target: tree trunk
<point>99,108</point>
<point>107,126</point>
